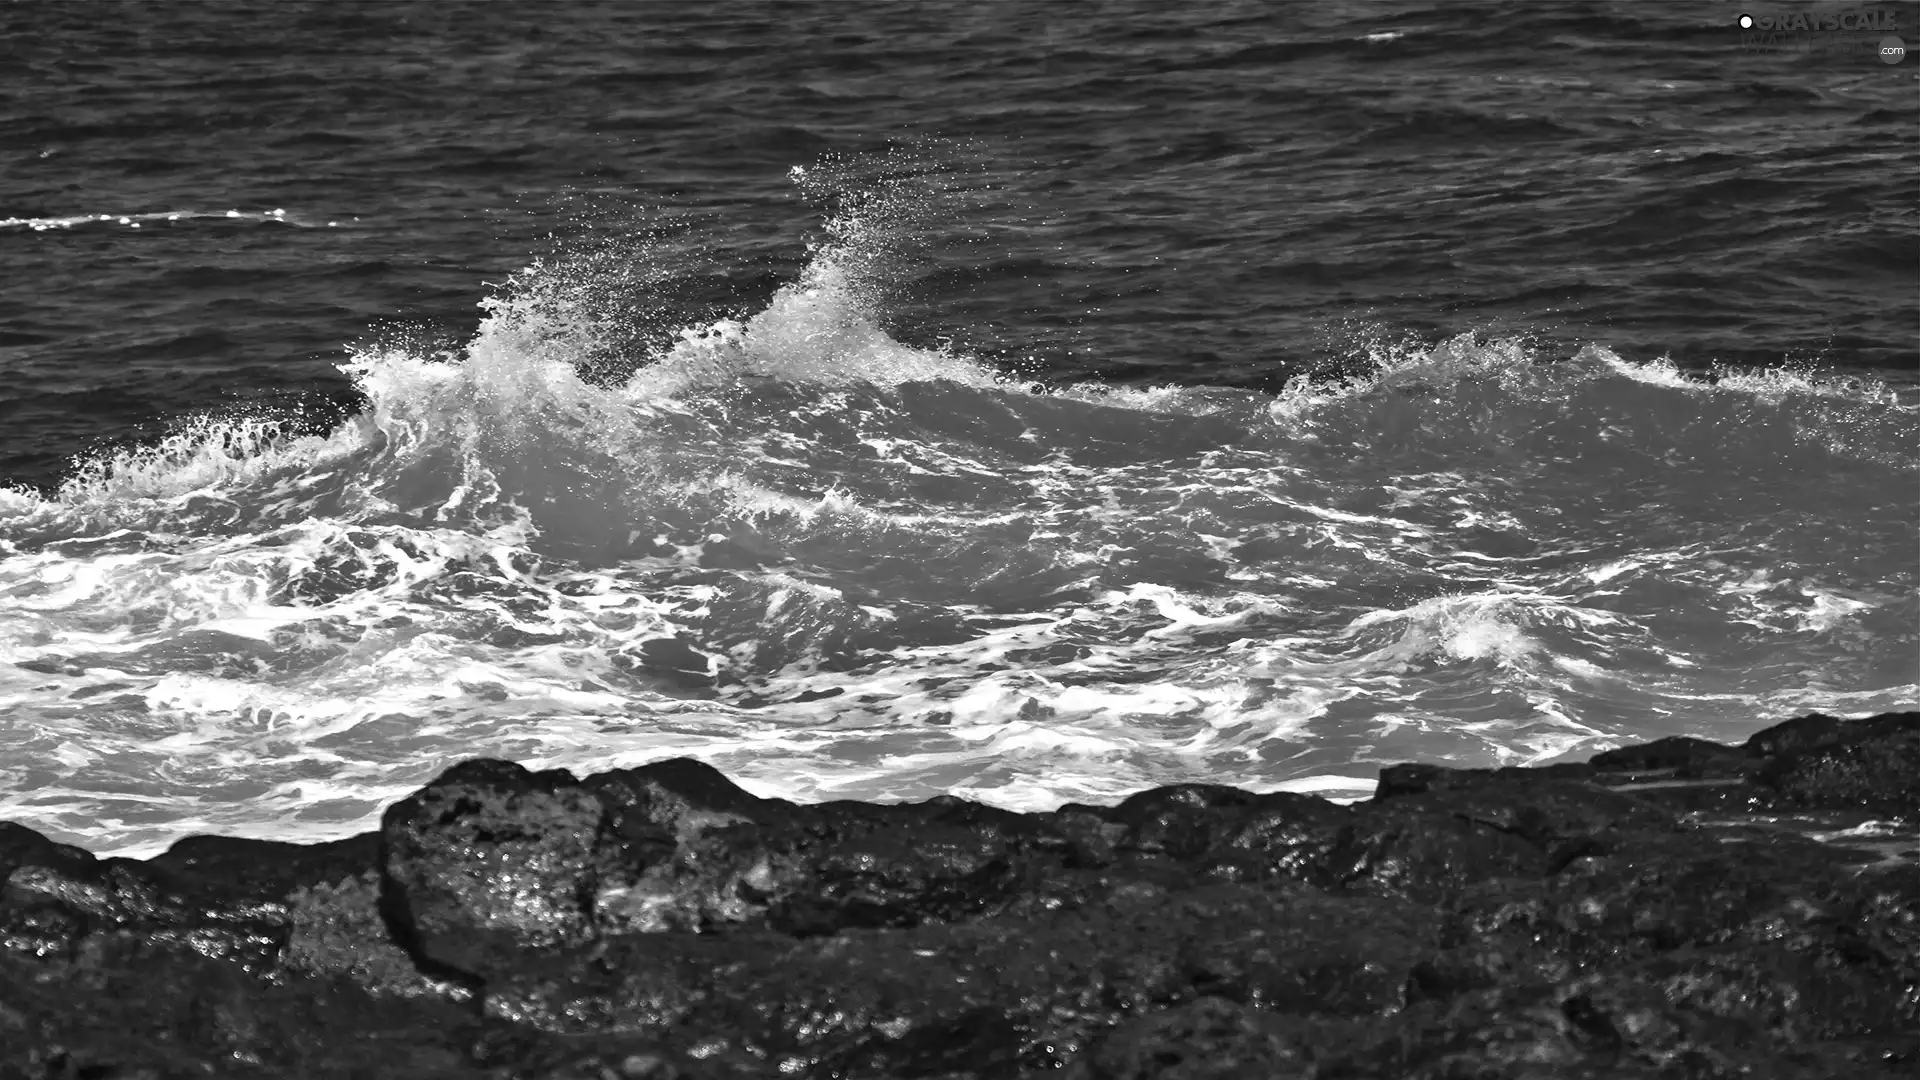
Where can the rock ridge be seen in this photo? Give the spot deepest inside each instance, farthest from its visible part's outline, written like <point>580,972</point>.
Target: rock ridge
<point>1680,908</point>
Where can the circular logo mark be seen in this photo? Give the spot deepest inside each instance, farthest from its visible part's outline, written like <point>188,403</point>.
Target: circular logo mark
<point>1892,50</point>
<point>1746,22</point>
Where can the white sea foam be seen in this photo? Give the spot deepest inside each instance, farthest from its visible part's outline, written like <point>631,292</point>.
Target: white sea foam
<point>136,220</point>
<point>835,565</point>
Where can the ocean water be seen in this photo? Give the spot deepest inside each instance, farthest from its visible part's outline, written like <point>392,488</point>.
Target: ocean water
<point>877,401</point>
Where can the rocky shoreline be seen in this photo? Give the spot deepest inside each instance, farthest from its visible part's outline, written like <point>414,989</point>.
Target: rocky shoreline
<point>1678,909</point>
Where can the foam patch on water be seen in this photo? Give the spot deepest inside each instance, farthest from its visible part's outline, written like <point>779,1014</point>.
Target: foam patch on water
<point>277,216</point>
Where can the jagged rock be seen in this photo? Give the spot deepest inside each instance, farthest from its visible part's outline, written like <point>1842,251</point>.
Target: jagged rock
<point>1677,909</point>
<point>1876,775</point>
<point>489,862</point>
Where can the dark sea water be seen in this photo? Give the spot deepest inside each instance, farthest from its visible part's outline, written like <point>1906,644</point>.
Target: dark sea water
<point>1031,402</point>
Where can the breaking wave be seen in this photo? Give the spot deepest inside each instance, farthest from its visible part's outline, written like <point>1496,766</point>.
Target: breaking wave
<point>837,565</point>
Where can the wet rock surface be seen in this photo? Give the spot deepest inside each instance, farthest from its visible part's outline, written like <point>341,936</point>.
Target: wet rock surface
<point>1678,909</point>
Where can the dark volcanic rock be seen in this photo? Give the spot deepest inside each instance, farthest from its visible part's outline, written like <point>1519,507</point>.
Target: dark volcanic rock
<point>1679,909</point>
<point>488,863</point>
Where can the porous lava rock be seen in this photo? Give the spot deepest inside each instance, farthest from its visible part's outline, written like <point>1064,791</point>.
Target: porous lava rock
<point>1677,909</point>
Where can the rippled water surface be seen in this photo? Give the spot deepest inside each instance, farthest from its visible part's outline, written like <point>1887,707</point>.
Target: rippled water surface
<point>880,401</point>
